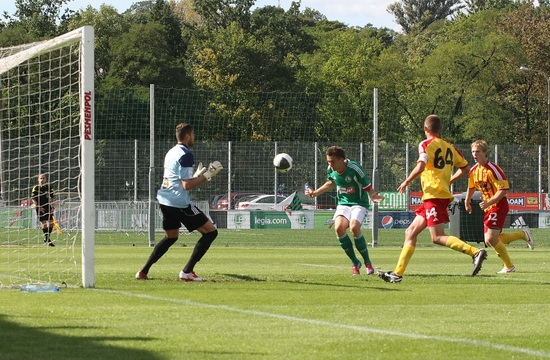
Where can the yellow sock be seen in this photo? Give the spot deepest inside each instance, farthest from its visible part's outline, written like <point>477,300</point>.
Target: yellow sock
<point>508,238</point>
<point>458,245</point>
<point>406,254</point>
<point>502,253</point>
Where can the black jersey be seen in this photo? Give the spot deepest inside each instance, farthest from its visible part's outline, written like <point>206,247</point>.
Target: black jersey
<point>42,194</point>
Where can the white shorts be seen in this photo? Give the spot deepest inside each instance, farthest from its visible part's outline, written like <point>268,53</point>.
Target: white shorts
<point>355,212</point>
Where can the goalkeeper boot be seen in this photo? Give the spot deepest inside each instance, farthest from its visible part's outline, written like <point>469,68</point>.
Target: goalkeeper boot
<point>140,275</point>
<point>190,276</point>
<point>355,268</point>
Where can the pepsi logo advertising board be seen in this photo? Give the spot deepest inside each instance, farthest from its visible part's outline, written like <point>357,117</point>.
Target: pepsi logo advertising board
<point>396,219</point>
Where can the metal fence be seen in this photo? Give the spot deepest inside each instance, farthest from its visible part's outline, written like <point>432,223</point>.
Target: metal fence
<point>121,175</point>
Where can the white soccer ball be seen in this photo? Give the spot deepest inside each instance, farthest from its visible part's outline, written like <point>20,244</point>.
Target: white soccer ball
<point>283,162</point>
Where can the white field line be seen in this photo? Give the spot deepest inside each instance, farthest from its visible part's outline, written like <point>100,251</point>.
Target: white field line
<point>365,329</point>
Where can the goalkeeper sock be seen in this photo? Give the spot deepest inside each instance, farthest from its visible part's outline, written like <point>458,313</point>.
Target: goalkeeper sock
<point>160,249</point>
<point>404,258</point>
<point>508,238</point>
<point>201,247</point>
<point>458,245</point>
<point>361,245</point>
<point>345,243</point>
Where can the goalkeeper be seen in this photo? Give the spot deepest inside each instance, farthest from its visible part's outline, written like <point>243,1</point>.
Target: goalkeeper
<point>176,206</point>
<point>43,198</point>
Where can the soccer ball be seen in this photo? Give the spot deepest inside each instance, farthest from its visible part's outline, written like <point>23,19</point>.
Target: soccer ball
<point>283,162</point>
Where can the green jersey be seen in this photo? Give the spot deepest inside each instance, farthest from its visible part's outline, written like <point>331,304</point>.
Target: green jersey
<point>352,185</point>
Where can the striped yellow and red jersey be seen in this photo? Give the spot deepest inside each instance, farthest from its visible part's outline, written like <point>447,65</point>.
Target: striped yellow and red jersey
<point>488,179</point>
<point>440,157</point>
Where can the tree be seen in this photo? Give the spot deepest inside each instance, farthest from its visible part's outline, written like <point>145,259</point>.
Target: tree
<point>417,15</point>
<point>262,56</point>
<point>460,72</point>
<point>108,25</point>
<point>474,6</point>
<point>40,17</point>
<point>346,69</point>
<point>142,56</point>
<point>219,14</point>
<point>530,26</point>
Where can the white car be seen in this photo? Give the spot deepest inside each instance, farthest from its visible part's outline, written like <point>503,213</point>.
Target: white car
<point>259,202</point>
<point>265,202</point>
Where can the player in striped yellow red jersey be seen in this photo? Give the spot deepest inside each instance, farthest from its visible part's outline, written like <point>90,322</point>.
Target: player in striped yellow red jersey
<point>436,160</point>
<point>490,180</point>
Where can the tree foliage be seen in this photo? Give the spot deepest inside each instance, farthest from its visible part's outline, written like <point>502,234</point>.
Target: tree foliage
<point>474,6</point>
<point>255,64</point>
<point>417,15</point>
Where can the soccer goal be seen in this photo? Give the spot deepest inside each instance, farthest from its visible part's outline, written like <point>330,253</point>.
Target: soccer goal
<point>47,127</point>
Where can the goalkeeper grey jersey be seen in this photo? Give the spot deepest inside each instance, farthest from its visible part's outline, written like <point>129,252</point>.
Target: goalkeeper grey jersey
<point>178,165</point>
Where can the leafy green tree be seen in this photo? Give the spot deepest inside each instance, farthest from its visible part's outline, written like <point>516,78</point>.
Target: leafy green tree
<point>15,34</point>
<point>262,56</point>
<point>461,74</point>
<point>417,15</point>
<point>474,6</point>
<point>40,17</point>
<point>219,14</point>
<point>164,14</point>
<point>142,56</point>
<point>108,26</point>
<point>531,91</point>
<point>346,69</point>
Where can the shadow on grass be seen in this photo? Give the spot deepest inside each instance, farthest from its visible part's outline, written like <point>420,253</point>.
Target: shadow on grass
<point>305,282</point>
<point>242,277</point>
<point>21,342</point>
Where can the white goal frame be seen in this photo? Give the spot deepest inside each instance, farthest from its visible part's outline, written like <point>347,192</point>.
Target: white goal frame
<point>85,36</point>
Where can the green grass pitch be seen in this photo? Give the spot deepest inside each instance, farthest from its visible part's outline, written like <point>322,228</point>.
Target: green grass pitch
<point>287,294</point>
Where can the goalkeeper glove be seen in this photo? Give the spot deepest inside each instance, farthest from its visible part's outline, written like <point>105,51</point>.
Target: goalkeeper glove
<point>200,170</point>
<point>213,169</point>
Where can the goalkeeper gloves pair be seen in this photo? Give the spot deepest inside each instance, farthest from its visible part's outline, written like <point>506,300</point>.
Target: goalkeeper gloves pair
<point>213,169</point>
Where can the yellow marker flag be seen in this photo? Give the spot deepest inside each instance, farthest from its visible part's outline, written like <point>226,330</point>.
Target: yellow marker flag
<point>57,228</point>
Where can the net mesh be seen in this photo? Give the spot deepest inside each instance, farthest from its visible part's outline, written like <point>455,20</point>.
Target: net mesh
<point>39,129</point>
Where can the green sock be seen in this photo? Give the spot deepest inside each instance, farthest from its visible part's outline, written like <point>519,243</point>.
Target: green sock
<point>345,243</point>
<point>361,245</point>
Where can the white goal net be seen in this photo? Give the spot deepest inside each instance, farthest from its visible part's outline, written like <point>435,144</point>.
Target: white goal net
<point>46,127</point>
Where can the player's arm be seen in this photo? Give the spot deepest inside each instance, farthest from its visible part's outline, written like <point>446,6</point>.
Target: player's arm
<point>468,199</point>
<point>192,183</point>
<point>418,169</point>
<point>34,196</point>
<point>499,195</point>
<point>202,175</point>
<point>460,173</point>
<point>329,184</point>
<point>374,196</point>
<point>51,198</point>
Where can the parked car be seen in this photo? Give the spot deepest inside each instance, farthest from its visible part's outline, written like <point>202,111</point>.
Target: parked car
<point>223,203</point>
<point>213,202</point>
<point>259,202</point>
<point>264,202</point>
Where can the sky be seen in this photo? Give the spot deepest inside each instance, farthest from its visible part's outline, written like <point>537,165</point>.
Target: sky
<point>349,12</point>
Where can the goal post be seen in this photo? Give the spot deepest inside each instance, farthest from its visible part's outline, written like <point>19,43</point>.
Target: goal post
<point>47,127</point>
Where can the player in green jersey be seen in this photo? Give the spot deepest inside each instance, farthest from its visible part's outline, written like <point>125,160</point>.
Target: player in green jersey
<point>353,189</point>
